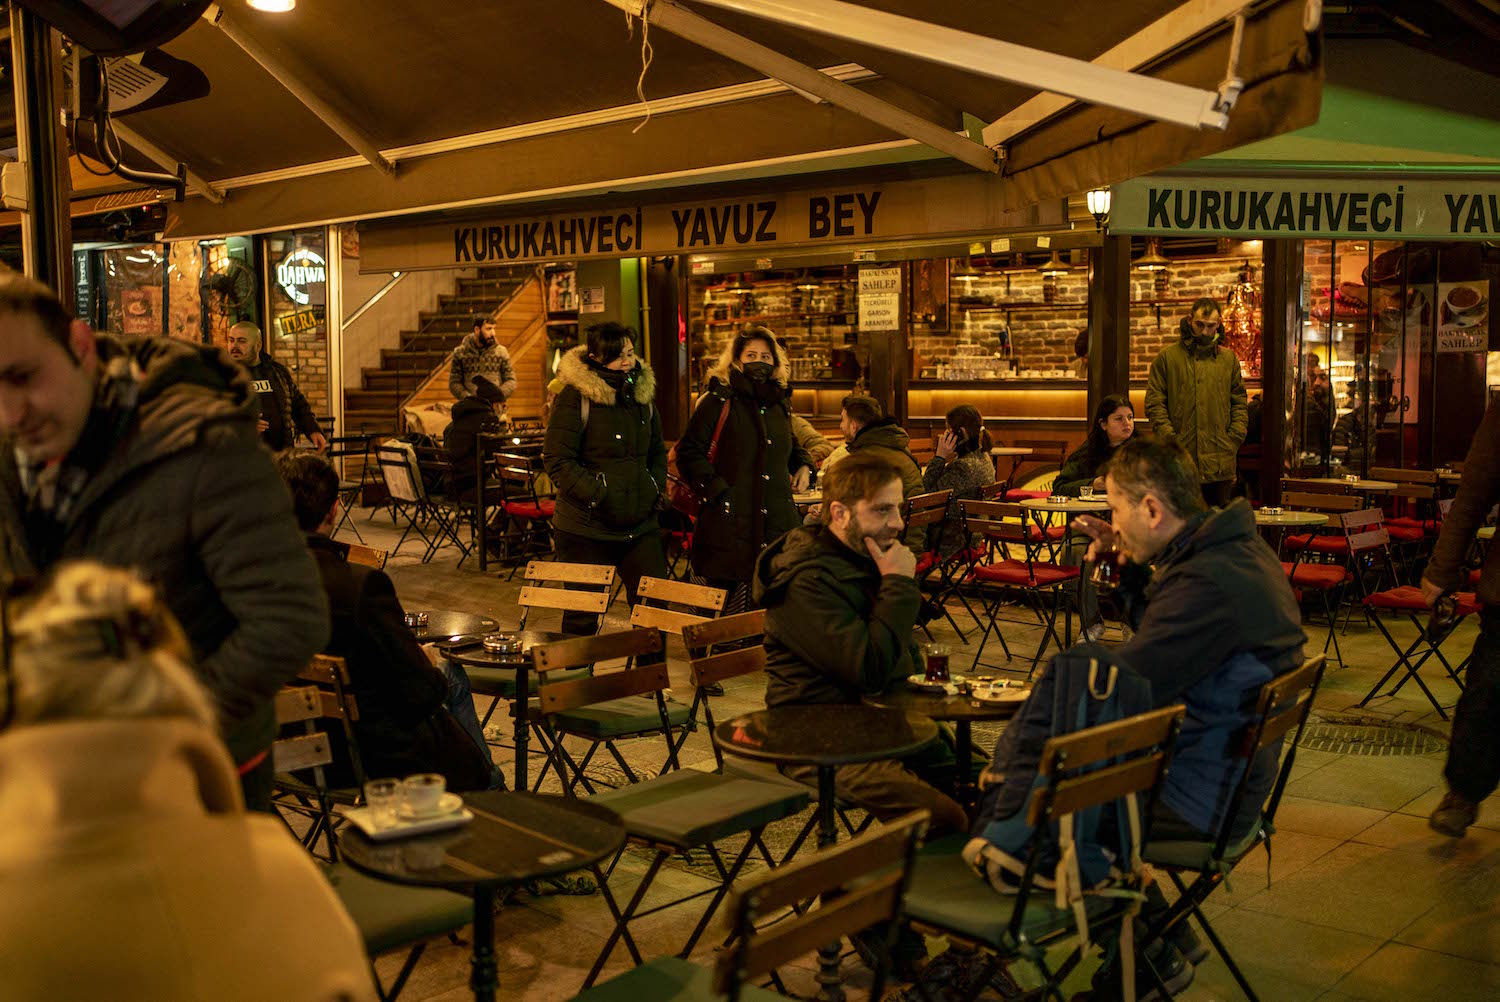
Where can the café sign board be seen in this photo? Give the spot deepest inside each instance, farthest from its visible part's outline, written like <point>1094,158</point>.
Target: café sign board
<point>757,223</point>
<point>879,299</point>
<point>1390,209</point>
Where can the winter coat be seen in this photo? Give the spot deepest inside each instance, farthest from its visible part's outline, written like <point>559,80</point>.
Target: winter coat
<point>1080,469</point>
<point>472,359</point>
<point>130,870</point>
<point>964,476</point>
<point>1215,619</point>
<point>1196,395</point>
<point>1478,492</point>
<point>610,473</point>
<point>190,500</point>
<point>282,404</point>
<point>812,441</point>
<point>836,629</point>
<point>1352,432</point>
<point>747,490</point>
<point>888,440</point>
<point>472,417</point>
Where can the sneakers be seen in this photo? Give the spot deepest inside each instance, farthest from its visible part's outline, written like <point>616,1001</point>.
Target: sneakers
<point>1175,970</point>
<point>1453,816</point>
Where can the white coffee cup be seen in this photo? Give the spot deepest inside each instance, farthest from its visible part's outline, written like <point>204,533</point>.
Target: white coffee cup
<point>422,794</point>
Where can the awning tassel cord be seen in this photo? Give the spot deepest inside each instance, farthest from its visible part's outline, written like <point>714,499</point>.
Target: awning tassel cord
<point>647,53</point>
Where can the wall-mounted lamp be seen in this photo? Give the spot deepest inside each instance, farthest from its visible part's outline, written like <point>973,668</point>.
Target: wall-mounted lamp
<point>1098,202</point>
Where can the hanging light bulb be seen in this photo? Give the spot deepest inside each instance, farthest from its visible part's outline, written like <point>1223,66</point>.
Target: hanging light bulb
<point>1152,260</point>
<point>966,272</point>
<point>808,282</point>
<point>738,285</point>
<point>1054,267</point>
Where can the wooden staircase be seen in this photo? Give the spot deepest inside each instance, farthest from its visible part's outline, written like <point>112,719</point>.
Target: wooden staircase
<point>376,405</point>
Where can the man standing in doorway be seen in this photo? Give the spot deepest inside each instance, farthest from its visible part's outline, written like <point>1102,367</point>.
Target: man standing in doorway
<point>283,409</point>
<point>480,354</point>
<point>1195,395</point>
<point>141,453</point>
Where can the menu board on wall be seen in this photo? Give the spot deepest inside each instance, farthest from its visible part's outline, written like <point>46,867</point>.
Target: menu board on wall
<point>1463,316</point>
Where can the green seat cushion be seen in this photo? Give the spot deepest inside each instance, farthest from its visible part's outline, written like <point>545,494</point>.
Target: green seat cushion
<point>1184,855</point>
<point>615,718</point>
<point>393,915</point>
<point>748,768</point>
<point>687,807</point>
<point>944,892</point>
<point>501,682</point>
<point>668,979</point>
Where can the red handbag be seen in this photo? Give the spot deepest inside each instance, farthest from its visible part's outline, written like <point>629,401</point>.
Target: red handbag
<point>679,492</point>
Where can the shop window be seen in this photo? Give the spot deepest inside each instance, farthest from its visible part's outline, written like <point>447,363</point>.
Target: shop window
<point>297,332</point>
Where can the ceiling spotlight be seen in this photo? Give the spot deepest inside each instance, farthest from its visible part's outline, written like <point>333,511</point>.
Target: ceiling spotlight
<point>1098,201</point>
<point>1152,259</point>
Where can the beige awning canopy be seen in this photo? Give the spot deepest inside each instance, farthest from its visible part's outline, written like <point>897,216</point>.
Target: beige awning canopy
<point>478,105</point>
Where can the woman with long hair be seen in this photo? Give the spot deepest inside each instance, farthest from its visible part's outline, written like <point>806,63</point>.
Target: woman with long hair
<point>961,464</point>
<point>745,487</point>
<point>1113,424</point>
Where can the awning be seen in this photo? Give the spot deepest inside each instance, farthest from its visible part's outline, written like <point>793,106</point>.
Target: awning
<point>480,105</point>
<point>93,194</point>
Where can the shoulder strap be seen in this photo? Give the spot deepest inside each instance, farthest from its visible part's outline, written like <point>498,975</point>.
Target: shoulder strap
<point>713,443</point>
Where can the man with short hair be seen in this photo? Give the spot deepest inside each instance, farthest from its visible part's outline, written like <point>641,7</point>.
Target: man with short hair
<point>283,409</point>
<point>867,429</point>
<point>142,453</point>
<point>841,602</point>
<point>1194,394</point>
<point>412,717</point>
<point>481,354</point>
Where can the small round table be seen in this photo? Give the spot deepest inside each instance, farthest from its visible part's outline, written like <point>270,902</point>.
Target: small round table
<point>807,499</point>
<point>514,837</point>
<point>962,711</point>
<point>443,625</point>
<point>1360,486</point>
<point>1016,454</point>
<point>1288,520</point>
<point>496,670</point>
<point>827,736</point>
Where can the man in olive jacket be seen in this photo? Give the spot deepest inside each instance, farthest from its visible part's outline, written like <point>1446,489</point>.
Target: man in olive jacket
<point>1194,394</point>
<point>866,429</point>
<point>142,453</point>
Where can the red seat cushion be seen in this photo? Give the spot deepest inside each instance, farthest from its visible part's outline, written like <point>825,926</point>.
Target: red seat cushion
<point>1017,572</point>
<point>526,509</point>
<point>1408,598</point>
<point>1405,533</point>
<point>1056,532</point>
<point>1318,544</point>
<point>1474,576</point>
<point>1015,494</point>
<point>1318,577</point>
<point>926,561</point>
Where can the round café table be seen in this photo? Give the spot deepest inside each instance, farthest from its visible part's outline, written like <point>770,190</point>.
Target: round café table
<point>960,710</point>
<point>451,626</point>
<point>827,736</point>
<point>505,676</point>
<point>1360,486</point>
<point>1040,508</point>
<point>1285,520</point>
<point>807,499</point>
<point>1016,453</point>
<point>514,837</point>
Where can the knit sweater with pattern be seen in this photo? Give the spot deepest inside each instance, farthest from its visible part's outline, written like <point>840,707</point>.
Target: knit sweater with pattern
<point>471,359</point>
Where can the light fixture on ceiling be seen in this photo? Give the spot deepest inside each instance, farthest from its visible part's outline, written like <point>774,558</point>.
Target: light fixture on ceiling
<point>966,272</point>
<point>271,6</point>
<point>1054,267</point>
<point>1152,260</point>
<point>1098,202</point>
<point>808,282</point>
<point>738,285</point>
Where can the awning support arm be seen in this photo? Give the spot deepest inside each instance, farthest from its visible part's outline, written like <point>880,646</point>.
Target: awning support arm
<point>1133,92</point>
<point>162,159</point>
<point>799,76</point>
<point>1233,84</point>
<point>304,90</point>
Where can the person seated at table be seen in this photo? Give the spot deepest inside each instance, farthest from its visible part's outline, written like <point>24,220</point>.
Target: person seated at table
<point>1352,430</point>
<point>1214,619</point>
<point>867,429</point>
<point>961,464</point>
<point>129,866</point>
<point>1113,424</point>
<point>841,602</point>
<point>413,716</point>
<point>813,443</point>
<point>472,417</point>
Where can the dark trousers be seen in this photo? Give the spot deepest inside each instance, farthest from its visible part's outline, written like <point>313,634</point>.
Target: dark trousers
<point>1216,494</point>
<point>257,786</point>
<point>632,559</point>
<point>1473,769</point>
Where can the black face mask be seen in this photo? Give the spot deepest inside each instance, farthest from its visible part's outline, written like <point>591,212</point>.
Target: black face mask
<point>758,372</point>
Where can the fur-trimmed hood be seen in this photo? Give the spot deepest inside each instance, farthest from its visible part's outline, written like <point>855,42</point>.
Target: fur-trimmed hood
<point>721,368</point>
<point>573,369</point>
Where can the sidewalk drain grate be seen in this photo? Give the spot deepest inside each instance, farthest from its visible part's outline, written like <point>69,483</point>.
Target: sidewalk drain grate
<point>1370,739</point>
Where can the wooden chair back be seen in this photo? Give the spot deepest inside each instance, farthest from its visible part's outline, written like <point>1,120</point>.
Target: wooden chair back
<point>366,556</point>
<point>1098,765</point>
<point>707,668</point>
<point>400,474</point>
<point>1400,475</point>
<point>869,874</point>
<point>993,492</point>
<point>1365,530</point>
<point>704,602</point>
<point>324,695</point>
<point>1002,521</point>
<point>1329,504</point>
<point>1314,486</point>
<point>926,509</point>
<point>595,584</point>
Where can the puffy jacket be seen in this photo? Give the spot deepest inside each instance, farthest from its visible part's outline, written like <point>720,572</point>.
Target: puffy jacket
<point>472,417</point>
<point>812,441</point>
<point>610,472</point>
<point>836,629</point>
<point>190,500</point>
<point>888,440</point>
<point>1196,395</point>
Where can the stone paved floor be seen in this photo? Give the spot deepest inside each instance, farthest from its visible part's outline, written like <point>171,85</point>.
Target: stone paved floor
<point>1360,900</point>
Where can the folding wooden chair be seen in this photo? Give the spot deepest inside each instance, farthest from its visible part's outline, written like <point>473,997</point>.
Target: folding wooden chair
<point>1330,543</point>
<point>1044,453</point>
<point>342,449</point>
<point>708,666</point>
<point>1407,600</point>
<point>526,515</point>
<point>366,556</point>
<point>921,512</point>
<point>1282,708</point>
<point>1114,763</point>
<point>673,813</point>
<point>862,883</point>
<point>319,699</point>
<point>404,483</point>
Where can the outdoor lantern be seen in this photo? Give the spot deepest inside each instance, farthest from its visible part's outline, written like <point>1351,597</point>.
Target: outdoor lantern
<point>1098,200</point>
<point>1152,259</point>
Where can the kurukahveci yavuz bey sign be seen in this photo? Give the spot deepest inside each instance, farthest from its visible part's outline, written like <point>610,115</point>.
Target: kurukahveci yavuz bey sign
<point>1456,209</point>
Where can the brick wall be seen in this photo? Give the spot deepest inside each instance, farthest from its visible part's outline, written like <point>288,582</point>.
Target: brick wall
<point>715,316</point>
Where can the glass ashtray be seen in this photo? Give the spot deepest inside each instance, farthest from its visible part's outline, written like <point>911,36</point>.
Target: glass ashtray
<point>1059,499</point>
<point>1270,510</point>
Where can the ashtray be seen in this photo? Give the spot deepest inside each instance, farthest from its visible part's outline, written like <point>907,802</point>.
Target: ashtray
<point>502,643</point>
<point>416,620</point>
<point>1270,510</point>
<point>1059,499</point>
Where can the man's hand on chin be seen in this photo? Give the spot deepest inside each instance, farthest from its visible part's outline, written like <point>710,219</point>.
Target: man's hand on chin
<point>894,559</point>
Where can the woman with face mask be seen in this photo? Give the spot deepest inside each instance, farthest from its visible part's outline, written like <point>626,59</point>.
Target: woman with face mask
<point>746,487</point>
<point>607,461</point>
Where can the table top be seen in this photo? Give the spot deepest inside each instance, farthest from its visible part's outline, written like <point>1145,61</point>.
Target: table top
<point>1450,476</point>
<point>442,624</point>
<point>825,734</point>
<point>942,706</point>
<point>513,837</point>
<point>1486,532</point>
<point>1011,450</point>
<point>807,497</point>
<point>474,654</point>
<point>1095,503</point>
<point>1291,518</point>
<point>1359,485</point>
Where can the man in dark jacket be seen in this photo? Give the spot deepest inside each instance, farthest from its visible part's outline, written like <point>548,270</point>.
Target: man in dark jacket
<point>412,717</point>
<point>867,429</point>
<point>841,602</point>
<point>1473,769</point>
<point>142,453</point>
<point>472,417</point>
<point>284,411</point>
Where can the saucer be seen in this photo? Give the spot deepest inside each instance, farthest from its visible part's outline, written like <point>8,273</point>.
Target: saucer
<point>449,804</point>
<point>920,682</point>
<point>1002,693</point>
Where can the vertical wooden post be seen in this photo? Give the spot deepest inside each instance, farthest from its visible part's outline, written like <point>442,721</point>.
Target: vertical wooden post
<point>1109,320</point>
<point>1280,315</point>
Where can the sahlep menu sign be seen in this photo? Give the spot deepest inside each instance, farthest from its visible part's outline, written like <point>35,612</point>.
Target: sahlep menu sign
<point>1381,209</point>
